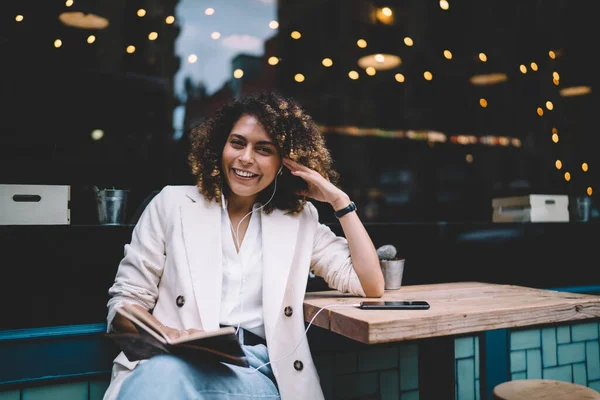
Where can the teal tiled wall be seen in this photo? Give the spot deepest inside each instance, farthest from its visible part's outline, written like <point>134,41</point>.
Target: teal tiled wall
<point>568,353</point>
<point>383,372</point>
<point>466,366</point>
<point>92,390</point>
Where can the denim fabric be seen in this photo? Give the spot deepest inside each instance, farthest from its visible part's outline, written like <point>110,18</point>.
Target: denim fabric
<point>170,377</point>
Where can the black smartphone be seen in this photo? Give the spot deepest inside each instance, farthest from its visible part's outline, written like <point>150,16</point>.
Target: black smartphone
<point>395,305</point>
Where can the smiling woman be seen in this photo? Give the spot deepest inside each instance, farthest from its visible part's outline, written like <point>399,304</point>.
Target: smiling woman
<point>248,237</point>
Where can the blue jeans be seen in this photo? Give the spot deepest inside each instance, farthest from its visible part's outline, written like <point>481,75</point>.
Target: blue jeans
<point>170,377</point>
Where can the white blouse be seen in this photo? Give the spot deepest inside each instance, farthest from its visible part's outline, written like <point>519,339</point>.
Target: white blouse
<point>241,293</point>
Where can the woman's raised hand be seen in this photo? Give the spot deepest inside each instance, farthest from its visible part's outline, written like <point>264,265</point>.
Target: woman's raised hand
<point>319,188</point>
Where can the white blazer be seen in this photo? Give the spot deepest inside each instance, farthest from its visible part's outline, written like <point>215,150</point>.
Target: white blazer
<point>176,250</point>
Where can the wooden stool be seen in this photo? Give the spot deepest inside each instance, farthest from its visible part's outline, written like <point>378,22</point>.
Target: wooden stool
<point>534,389</point>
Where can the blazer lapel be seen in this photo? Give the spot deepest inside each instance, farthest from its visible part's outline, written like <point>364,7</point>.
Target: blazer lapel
<point>279,232</point>
<point>201,222</point>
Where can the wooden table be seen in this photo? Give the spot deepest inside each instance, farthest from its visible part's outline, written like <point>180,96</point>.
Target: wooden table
<point>456,308</point>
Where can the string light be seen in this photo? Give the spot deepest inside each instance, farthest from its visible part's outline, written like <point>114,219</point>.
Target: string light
<point>399,78</point>
<point>68,3</point>
<point>353,75</point>
<point>296,35</point>
<point>273,24</point>
<point>327,62</point>
<point>558,164</point>
<point>19,18</point>
<point>192,58</point>
<point>57,43</point>
<point>141,12</point>
<point>209,11</point>
<point>448,54</point>
<point>215,35</point>
<point>130,49</point>
<point>153,35</point>
<point>408,41</point>
<point>362,43</point>
<point>238,73</point>
<point>584,167</point>
<point>299,78</point>
<point>91,39</point>
<point>273,60</point>
<point>170,19</point>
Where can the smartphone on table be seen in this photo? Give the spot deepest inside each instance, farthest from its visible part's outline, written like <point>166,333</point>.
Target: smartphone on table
<point>395,305</point>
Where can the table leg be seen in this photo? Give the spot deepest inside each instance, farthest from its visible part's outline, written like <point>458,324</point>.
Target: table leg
<point>436,368</point>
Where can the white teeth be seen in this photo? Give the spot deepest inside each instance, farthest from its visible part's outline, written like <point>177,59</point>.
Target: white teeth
<point>244,173</point>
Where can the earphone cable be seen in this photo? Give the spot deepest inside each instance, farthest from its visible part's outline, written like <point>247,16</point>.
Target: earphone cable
<point>305,332</point>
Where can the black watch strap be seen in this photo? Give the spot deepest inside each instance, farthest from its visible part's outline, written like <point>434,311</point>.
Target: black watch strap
<point>349,208</point>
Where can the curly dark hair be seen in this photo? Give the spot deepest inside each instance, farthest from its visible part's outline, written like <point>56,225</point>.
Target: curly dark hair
<point>294,133</point>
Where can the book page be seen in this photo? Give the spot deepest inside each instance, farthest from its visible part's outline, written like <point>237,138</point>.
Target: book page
<point>154,329</point>
<point>142,322</point>
<point>229,330</point>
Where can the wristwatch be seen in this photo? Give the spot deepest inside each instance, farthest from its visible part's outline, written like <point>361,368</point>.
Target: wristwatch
<point>349,208</point>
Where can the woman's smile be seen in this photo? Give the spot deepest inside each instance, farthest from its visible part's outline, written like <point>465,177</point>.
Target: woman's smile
<point>244,175</point>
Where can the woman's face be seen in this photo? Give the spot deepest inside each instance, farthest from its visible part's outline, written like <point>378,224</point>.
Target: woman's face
<point>250,159</point>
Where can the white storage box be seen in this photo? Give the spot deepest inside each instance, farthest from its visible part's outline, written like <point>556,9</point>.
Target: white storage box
<point>35,204</point>
<point>531,208</point>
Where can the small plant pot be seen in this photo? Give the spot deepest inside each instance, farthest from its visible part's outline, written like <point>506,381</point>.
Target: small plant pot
<point>392,273</point>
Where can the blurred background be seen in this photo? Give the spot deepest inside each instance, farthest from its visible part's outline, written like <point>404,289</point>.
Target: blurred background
<point>431,108</point>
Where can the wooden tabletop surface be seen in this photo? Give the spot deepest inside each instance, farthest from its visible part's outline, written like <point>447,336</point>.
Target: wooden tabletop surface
<point>456,308</point>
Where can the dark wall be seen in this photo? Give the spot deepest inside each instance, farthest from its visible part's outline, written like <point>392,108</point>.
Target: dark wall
<point>60,275</point>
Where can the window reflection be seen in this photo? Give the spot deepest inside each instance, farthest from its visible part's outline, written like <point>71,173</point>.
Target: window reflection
<point>433,123</point>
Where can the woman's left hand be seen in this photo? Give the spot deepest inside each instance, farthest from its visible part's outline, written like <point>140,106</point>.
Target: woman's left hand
<point>319,188</point>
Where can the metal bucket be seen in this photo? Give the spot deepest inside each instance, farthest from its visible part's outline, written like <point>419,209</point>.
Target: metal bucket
<point>111,205</point>
<point>392,273</point>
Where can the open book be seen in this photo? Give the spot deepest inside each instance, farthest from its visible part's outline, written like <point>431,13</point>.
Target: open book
<point>220,345</point>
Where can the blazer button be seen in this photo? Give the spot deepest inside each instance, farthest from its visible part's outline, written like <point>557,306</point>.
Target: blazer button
<point>288,311</point>
<point>180,301</point>
<point>298,366</point>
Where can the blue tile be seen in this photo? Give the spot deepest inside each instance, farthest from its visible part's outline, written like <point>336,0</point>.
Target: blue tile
<point>521,340</point>
<point>412,395</point>
<point>465,371</point>
<point>579,374</point>
<point>464,347</point>
<point>563,373</point>
<point>70,391</point>
<point>518,375</point>
<point>97,389</point>
<point>587,331</point>
<point>571,353</point>
<point>346,362</point>
<point>518,362</point>
<point>355,385</point>
<point>592,351</point>
<point>477,357</point>
<point>409,367</point>
<point>477,390</point>
<point>549,347</point>
<point>324,364</point>
<point>10,395</point>
<point>534,364</point>
<point>594,385</point>
<point>378,358</point>
<point>563,334</point>
<point>389,385</point>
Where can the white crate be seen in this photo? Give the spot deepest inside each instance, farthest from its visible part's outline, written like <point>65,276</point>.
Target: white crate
<point>35,204</point>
